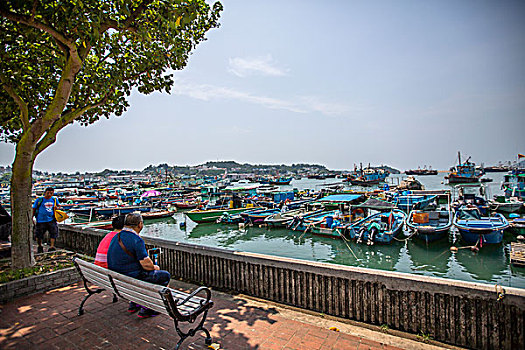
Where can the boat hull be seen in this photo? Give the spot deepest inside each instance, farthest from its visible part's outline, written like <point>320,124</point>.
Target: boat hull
<point>205,216</point>
<point>488,237</point>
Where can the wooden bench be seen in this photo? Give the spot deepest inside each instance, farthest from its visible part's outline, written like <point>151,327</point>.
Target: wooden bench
<point>180,306</point>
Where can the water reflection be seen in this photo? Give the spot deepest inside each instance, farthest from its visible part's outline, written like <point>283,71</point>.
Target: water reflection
<point>430,259</point>
<point>490,264</point>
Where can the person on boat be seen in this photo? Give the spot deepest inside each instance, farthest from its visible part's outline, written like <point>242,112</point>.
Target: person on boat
<point>44,212</point>
<point>101,259</point>
<point>127,255</point>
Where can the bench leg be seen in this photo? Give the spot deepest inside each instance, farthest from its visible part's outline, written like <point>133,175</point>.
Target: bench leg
<point>115,298</point>
<point>192,332</point>
<point>90,293</point>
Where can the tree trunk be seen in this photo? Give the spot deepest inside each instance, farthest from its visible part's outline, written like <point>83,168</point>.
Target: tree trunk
<point>21,211</point>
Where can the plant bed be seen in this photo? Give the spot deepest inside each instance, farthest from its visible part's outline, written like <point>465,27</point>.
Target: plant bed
<point>52,270</point>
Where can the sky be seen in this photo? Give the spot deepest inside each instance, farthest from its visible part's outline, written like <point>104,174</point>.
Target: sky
<point>404,83</point>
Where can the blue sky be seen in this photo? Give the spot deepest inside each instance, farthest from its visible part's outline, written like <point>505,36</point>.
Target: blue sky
<point>403,83</point>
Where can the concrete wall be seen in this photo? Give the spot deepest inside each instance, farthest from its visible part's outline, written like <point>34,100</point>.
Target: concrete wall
<point>461,313</point>
<point>38,284</point>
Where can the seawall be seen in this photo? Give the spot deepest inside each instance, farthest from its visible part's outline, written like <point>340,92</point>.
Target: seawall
<point>455,312</point>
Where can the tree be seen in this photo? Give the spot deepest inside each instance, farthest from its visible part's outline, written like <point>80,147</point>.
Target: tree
<point>77,61</point>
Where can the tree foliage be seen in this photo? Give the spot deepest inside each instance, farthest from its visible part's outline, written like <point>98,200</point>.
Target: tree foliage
<point>78,60</point>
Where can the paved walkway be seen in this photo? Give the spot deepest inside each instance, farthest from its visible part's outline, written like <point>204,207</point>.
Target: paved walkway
<point>50,321</point>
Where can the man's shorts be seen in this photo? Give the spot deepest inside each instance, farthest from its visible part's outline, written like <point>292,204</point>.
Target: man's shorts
<point>42,227</point>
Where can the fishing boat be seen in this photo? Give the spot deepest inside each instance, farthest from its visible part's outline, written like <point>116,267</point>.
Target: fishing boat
<point>423,171</point>
<point>201,216</point>
<point>429,226</point>
<point>517,224</point>
<point>282,219</point>
<point>109,211</point>
<point>409,184</point>
<point>101,224</point>
<point>514,184</point>
<point>281,181</point>
<point>471,194</point>
<point>227,218</point>
<point>465,172</point>
<point>505,205</point>
<point>189,203</point>
<point>477,229</point>
<point>158,214</point>
<point>258,216</point>
<point>306,222</point>
<point>367,176</point>
<point>381,227</point>
<point>408,202</point>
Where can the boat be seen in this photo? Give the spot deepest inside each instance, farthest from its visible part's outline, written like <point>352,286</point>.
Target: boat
<point>381,227</point>
<point>281,181</point>
<point>517,224</point>
<point>505,205</point>
<point>100,224</point>
<point>306,222</point>
<point>158,214</point>
<point>409,184</point>
<point>367,176</point>
<point>423,171</point>
<point>201,216</point>
<point>477,229</point>
<point>471,194</point>
<point>282,219</point>
<point>465,172</point>
<point>408,202</point>
<point>258,216</point>
<point>189,203</point>
<point>110,211</point>
<point>429,226</point>
<point>514,184</point>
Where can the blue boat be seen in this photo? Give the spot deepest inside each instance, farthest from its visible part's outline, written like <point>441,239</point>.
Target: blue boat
<point>435,225</point>
<point>377,228</point>
<point>304,222</point>
<point>408,202</point>
<point>477,229</point>
<point>281,181</point>
<point>465,172</point>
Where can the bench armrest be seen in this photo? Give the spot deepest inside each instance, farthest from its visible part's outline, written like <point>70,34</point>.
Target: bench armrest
<point>172,305</point>
<point>195,292</point>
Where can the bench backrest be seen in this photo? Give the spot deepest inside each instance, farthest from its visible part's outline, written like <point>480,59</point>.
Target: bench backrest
<point>144,293</point>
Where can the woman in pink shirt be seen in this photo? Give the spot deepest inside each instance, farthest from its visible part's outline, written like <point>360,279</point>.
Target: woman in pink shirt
<point>101,259</point>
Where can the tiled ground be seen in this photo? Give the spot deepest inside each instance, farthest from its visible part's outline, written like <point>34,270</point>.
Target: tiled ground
<point>50,321</point>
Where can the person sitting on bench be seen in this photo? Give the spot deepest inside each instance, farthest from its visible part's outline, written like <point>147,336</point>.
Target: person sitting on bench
<point>127,255</point>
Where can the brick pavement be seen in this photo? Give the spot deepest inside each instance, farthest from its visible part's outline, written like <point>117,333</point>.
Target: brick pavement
<point>50,321</point>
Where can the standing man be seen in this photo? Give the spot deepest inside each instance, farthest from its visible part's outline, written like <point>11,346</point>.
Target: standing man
<point>44,211</point>
<point>127,255</point>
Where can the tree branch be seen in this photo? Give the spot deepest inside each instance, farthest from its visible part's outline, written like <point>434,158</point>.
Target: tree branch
<point>24,111</point>
<point>30,21</point>
<point>62,122</point>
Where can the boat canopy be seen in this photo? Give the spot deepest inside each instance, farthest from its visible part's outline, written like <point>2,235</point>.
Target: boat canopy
<point>341,198</point>
<point>376,204</point>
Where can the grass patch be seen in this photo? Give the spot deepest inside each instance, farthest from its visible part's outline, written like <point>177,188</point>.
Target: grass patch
<point>44,263</point>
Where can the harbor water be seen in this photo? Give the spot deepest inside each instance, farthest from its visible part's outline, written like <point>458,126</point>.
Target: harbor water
<point>490,265</point>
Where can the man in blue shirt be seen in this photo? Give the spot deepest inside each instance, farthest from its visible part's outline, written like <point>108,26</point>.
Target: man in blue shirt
<point>44,211</point>
<point>127,255</point>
